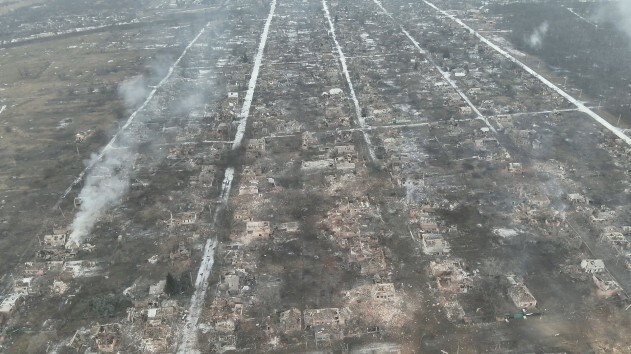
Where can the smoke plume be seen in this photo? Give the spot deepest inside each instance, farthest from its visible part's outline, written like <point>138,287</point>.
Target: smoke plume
<point>134,91</point>
<point>535,40</point>
<point>110,172</point>
<point>621,17</point>
<point>617,13</point>
<point>624,12</point>
<point>104,187</point>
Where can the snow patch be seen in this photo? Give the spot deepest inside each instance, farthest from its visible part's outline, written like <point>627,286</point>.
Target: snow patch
<point>505,233</point>
<point>335,91</point>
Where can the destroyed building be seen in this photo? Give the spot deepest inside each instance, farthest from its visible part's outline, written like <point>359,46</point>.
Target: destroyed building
<point>186,218</point>
<point>520,294</point>
<point>260,229</point>
<point>107,337</point>
<point>326,317</point>
<point>55,240</point>
<point>435,244</point>
<point>383,292</point>
<point>10,305</point>
<point>592,265</point>
<point>23,286</point>
<point>181,253</point>
<point>156,339</point>
<point>291,321</point>
<point>450,276</point>
<point>607,285</point>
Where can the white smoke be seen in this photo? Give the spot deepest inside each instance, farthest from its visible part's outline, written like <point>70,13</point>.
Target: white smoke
<point>623,16</point>
<point>134,91</point>
<point>617,13</point>
<point>109,177</point>
<point>110,172</point>
<point>104,187</point>
<point>189,102</point>
<point>535,40</point>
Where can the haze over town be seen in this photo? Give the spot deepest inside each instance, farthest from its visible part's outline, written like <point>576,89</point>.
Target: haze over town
<point>315,176</point>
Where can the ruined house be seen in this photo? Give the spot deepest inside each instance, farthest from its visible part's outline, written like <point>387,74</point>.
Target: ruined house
<point>344,136</point>
<point>155,339</point>
<point>603,216</point>
<point>522,137</point>
<point>292,226</point>
<point>327,317</point>
<point>515,167</point>
<point>291,321</point>
<point>318,164</point>
<point>520,295</point>
<point>344,149</point>
<point>34,269</point>
<point>230,283</point>
<point>607,285</point>
<point>158,288</point>
<point>345,166</point>
<point>592,265</point>
<point>450,276</point>
<point>233,254</point>
<point>181,253</point>
<point>55,240</point>
<point>309,140</point>
<point>225,326</point>
<point>416,214</point>
<point>258,228</point>
<point>248,189</point>
<point>615,239</point>
<point>249,175</point>
<point>207,175</point>
<point>576,198</point>
<point>453,309</point>
<point>383,292</point>
<point>254,148</point>
<point>165,312</point>
<point>50,255</point>
<point>256,145</point>
<point>428,224</point>
<point>22,286</point>
<point>435,244</point>
<point>186,218</point>
<point>10,305</point>
<point>107,337</point>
